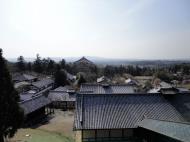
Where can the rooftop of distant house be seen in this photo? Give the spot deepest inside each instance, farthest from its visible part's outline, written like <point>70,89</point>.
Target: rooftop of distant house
<point>83,60</point>
<point>43,83</point>
<point>66,93</point>
<point>19,77</point>
<point>90,88</point>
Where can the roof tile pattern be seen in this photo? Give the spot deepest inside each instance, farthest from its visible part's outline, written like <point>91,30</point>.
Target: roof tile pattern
<point>34,103</point>
<point>62,94</point>
<point>178,131</point>
<point>121,111</point>
<point>43,83</point>
<point>110,89</point>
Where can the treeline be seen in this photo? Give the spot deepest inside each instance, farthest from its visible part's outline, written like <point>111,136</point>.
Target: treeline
<point>49,67</point>
<point>45,65</point>
<point>133,70</point>
<point>180,68</point>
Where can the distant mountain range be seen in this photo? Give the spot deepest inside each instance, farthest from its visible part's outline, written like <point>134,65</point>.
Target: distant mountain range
<point>111,61</point>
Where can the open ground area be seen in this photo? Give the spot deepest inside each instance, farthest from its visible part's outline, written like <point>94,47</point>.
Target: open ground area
<point>58,129</point>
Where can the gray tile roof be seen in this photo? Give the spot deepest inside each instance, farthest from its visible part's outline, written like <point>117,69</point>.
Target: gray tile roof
<point>34,103</point>
<point>178,131</point>
<point>62,94</point>
<point>107,89</point>
<point>121,111</point>
<point>23,77</point>
<point>182,103</point>
<point>83,60</point>
<point>43,83</point>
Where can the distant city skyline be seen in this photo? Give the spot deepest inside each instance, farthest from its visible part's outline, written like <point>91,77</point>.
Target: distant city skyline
<point>121,29</point>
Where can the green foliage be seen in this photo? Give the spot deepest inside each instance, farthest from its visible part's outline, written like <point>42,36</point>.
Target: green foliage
<point>60,78</point>
<point>163,75</point>
<point>80,79</point>
<point>148,86</point>
<point>11,116</point>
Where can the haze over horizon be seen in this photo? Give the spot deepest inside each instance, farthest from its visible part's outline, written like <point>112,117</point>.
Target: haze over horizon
<point>122,29</point>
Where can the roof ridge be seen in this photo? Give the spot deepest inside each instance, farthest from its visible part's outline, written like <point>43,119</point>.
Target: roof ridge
<point>180,122</point>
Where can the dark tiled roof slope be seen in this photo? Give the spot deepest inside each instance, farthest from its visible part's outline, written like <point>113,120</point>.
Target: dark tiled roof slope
<point>121,111</point>
<point>83,60</point>
<point>43,83</point>
<point>23,77</point>
<point>62,94</point>
<point>110,89</point>
<point>182,103</point>
<point>178,131</point>
<point>34,103</point>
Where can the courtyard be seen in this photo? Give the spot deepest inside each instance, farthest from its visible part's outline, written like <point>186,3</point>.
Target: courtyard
<point>58,128</point>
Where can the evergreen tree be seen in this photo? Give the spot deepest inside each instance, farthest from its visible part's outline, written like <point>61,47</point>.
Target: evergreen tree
<point>11,116</point>
<point>21,63</point>
<point>63,64</point>
<point>38,64</point>
<point>60,77</point>
<point>29,66</point>
<point>80,79</point>
<point>50,66</point>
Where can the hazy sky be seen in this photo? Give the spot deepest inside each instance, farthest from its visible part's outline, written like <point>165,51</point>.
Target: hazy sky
<point>138,29</point>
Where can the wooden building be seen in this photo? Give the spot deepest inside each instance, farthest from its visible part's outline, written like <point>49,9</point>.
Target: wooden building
<point>36,108</point>
<point>84,65</point>
<point>63,97</point>
<point>115,117</point>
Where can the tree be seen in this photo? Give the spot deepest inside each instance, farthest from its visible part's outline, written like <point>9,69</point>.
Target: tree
<point>38,64</point>
<point>80,79</point>
<point>11,115</point>
<point>63,64</point>
<point>21,63</point>
<point>29,66</point>
<point>60,77</point>
<point>50,66</point>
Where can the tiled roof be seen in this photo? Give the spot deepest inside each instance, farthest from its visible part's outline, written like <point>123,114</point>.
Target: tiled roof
<point>23,77</point>
<point>178,131</point>
<point>106,89</point>
<point>60,88</point>
<point>62,94</point>
<point>183,90</point>
<point>121,111</point>
<point>29,77</point>
<point>43,83</point>
<point>182,103</point>
<point>33,103</point>
<point>83,60</point>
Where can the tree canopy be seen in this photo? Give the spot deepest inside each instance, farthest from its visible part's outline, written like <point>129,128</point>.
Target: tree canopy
<point>11,115</point>
<point>21,63</point>
<point>60,77</point>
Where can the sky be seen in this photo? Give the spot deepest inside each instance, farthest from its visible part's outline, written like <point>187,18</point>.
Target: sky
<point>124,29</point>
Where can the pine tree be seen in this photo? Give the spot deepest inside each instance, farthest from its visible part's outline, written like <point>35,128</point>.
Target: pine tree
<point>60,77</point>
<point>63,64</point>
<point>11,115</point>
<point>21,63</point>
<point>38,64</point>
